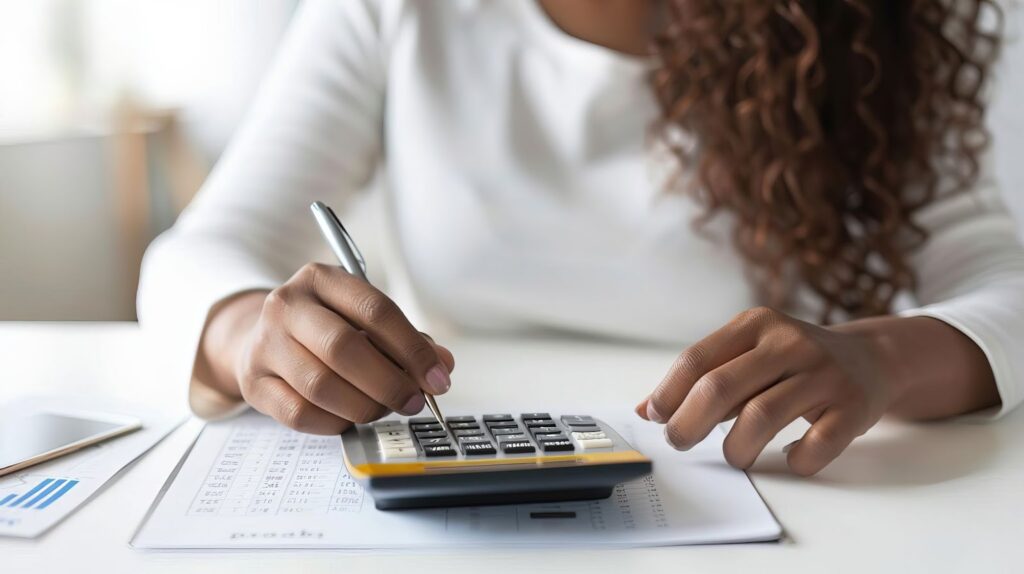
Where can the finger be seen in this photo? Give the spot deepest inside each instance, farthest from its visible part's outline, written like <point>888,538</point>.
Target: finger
<point>272,396</point>
<point>372,311</point>
<point>321,385</point>
<point>349,353</point>
<point>720,391</point>
<point>763,416</point>
<point>735,338</point>
<point>824,441</point>
<point>641,409</point>
<point>446,356</point>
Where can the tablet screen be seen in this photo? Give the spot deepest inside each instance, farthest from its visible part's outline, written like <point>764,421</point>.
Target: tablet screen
<point>22,438</point>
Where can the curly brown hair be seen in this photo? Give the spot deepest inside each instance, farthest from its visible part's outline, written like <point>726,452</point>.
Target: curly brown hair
<point>823,126</point>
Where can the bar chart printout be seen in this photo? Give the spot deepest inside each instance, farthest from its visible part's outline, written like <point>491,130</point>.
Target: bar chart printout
<point>43,494</point>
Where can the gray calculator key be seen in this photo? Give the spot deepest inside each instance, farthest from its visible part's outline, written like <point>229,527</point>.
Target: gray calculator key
<point>573,420</point>
<point>556,445</point>
<point>460,419</point>
<point>439,450</point>
<point>468,432</point>
<point>496,418</point>
<point>431,434</point>
<point>509,430</point>
<point>469,425</point>
<point>502,425</point>
<point>584,428</point>
<point>422,427</point>
<point>535,417</point>
<point>517,447</point>
<point>512,437</point>
<point>540,424</point>
<point>554,435</point>
<point>422,420</point>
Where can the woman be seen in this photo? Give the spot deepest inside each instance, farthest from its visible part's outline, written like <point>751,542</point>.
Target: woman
<point>640,170</point>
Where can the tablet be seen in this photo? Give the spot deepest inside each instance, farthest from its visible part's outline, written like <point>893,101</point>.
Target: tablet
<point>31,438</point>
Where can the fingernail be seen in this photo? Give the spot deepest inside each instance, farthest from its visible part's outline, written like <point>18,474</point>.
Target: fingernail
<point>668,439</point>
<point>653,414</point>
<point>414,405</point>
<point>789,446</point>
<point>438,380</point>
<point>640,411</point>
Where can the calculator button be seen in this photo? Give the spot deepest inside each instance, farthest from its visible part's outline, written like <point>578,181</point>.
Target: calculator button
<point>468,432</point>
<point>535,417</point>
<point>541,424</point>
<point>556,445</point>
<point>439,450</point>
<point>497,418</point>
<point>471,425</point>
<point>431,434</point>
<point>510,430</point>
<point>518,437</point>
<point>588,435</point>
<point>396,443</point>
<point>426,427</point>
<point>435,442</point>
<point>393,453</point>
<point>477,447</point>
<point>422,420</point>
<point>381,435</point>
<point>466,419</point>
<point>388,425</point>
<point>517,447</point>
<point>584,428</point>
<point>502,425</point>
<point>594,443</point>
<point>572,420</point>
<point>553,435</point>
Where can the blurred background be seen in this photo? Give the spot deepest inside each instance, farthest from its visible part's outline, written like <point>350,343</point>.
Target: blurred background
<point>113,111</point>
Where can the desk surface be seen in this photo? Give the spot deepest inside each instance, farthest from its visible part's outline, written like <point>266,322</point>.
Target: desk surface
<point>909,498</point>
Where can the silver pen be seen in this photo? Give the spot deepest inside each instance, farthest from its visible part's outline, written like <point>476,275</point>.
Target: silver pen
<point>352,261</point>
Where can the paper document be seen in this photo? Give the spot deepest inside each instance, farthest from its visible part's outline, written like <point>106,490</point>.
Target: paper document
<point>38,497</point>
<point>251,483</point>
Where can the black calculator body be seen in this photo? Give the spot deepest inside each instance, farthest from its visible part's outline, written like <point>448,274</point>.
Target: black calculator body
<point>490,459</point>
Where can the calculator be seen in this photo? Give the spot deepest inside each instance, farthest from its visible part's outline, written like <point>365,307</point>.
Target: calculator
<point>491,459</point>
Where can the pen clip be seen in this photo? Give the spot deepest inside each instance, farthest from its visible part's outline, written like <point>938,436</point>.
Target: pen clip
<point>348,238</point>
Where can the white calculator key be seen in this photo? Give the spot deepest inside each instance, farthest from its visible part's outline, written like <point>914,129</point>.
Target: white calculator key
<point>594,443</point>
<point>393,453</point>
<point>396,443</point>
<point>589,435</point>
<point>384,435</point>
<point>388,425</point>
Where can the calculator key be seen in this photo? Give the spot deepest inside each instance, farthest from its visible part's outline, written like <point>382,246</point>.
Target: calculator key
<point>506,430</point>
<point>517,447</point>
<point>477,448</point>
<point>393,453</point>
<point>540,424</point>
<point>556,445</point>
<point>471,425</point>
<point>431,434</point>
<point>439,450</point>
<point>497,418</point>
<point>588,435</point>
<point>381,435</point>
<point>518,437</point>
<point>578,419</point>
<point>554,435</point>
<point>468,432</point>
<point>396,443</point>
<point>435,442</point>
<point>465,419</point>
<point>594,443</point>
<point>502,425</point>
<point>422,420</point>
<point>388,425</point>
<point>584,428</point>
<point>535,417</point>
<point>425,426</point>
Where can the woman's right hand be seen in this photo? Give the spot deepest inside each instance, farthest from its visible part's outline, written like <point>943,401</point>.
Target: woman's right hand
<point>321,352</point>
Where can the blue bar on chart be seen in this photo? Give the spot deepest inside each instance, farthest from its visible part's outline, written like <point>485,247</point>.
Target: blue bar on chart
<point>54,488</point>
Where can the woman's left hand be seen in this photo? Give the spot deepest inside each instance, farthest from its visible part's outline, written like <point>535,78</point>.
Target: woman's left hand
<point>768,369</point>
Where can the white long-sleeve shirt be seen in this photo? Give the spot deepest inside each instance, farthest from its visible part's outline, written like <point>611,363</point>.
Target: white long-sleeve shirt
<point>521,188</point>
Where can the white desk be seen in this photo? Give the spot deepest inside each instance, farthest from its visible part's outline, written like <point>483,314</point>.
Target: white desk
<point>929,498</point>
